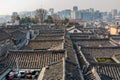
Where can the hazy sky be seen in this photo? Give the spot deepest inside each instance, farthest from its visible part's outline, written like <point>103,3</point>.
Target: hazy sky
<point>9,6</point>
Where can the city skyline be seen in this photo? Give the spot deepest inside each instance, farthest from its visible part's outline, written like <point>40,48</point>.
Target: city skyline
<point>9,6</point>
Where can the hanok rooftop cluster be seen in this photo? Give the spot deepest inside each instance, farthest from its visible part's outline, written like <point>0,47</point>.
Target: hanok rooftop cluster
<point>40,53</point>
<point>43,52</point>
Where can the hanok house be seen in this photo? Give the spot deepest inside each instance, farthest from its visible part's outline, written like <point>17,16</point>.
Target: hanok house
<point>5,42</point>
<point>30,63</point>
<point>74,30</point>
<point>98,58</point>
<point>50,35</point>
<point>5,45</point>
<point>19,38</point>
<point>45,56</point>
<point>46,44</point>
<point>99,63</point>
<point>44,64</point>
<point>79,36</point>
<point>115,39</point>
<point>95,43</point>
<point>60,70</point>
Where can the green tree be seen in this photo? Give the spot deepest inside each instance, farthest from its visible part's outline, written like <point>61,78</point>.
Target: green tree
<point>65,21</point>
<point>35,20</point>
<point>18,18</point>
<point>28,20</point>
<point>49,19</point>
<point>25,20</point>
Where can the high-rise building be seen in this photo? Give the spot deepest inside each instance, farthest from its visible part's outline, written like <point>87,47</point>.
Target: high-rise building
<point>97,15</point>
<point>114,12</point>
<point>51,11</point>
<point>65,14</point>
<point>91,10</point>
<point>75,8</point>
<point>14,16</point>
<point>74,13</point>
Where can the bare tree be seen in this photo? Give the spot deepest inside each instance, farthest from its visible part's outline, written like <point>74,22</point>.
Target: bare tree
<point>56,19</point>
<point>41,14</point>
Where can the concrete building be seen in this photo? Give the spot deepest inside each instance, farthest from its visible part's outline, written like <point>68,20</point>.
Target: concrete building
<point>51,11</point>
<point>73,15</point>
<point>14,16</point>
<point>114,30</point>
<point>87,14</point>
<point>65,14</point>
<point>114,13</point>
<point>75,8</point>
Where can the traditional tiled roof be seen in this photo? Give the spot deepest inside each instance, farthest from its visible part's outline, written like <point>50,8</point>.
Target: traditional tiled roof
<point>87,52</point>
<point>12,29</point>
<point>70,50</point>
<point>46,27</point>
<point>51,31</point>
<point>72,63</point>
<point>116,39</point>
<point>49,37</point>
<point>105,71</point>
<point>117,57</point>
<point>33,59</point>
<point>60,70</point>
<point>79,36</point>
<point>103,52</point>
<point>115,36</point>
<point>100,31</point>
<point>17,35</point>
<point>3,67</point>
<point>17,26</point>
<point>71,71</point>
<point>108,71</point>
<point>90,73</point>
<point>46,44</point>
<point>43,27</point>
<point>53,71</point>
<point>95,43</point>
<point>4,35</point>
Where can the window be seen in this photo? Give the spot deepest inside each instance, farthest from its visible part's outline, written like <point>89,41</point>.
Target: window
<point>75,31</point>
